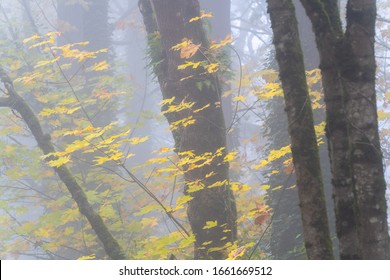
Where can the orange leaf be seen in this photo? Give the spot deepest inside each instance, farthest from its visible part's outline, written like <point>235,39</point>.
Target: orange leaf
<point>262,218</point>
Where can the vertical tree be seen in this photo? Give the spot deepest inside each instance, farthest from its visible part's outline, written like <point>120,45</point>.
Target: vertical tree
<point>211,209</point>
<point>301,129</point>
<point>348,69</point>
<point>286,232</point>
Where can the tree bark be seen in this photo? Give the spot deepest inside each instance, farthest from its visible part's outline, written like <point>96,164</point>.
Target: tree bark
<point>328,32</point>
<point>301,129</point>
<point>357,61</point>
<point>167,24</point>
<point>348,68</point>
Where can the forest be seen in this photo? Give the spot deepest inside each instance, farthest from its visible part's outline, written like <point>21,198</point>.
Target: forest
<point>194,129</point>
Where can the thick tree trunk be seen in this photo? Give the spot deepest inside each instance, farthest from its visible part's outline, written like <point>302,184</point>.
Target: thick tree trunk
<point>357,61</point>
<point>220,28</point>
<point>301,129</point>
<point>328,33</point>
<point>167,24</point>
<point>348,68</point>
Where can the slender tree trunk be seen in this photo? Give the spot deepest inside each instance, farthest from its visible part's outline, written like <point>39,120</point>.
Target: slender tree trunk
<point>167,24</point>
<point>357,61</point>
<point>301,129</point>
<point>328,32</point>
<point>15,102</point>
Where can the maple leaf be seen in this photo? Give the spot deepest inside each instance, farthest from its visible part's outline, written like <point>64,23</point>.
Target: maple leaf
<point>187,48</point>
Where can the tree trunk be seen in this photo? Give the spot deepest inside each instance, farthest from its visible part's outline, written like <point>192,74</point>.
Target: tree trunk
<point>167,24</point>
<point>220,28</point>
<point>328,31</point>
<point>348,68</point>
<point>357,61</point>
<point>301,129</point>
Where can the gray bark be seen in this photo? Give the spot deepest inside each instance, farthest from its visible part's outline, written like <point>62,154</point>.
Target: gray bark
<point>301,129</point>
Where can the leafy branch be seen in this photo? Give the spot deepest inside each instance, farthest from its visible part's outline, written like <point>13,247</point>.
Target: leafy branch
<point>17,103</point>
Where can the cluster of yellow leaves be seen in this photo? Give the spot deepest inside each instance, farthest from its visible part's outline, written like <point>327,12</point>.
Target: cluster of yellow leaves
<point>59,110</point>
<point>184,122</point>
<point>268,91</point>
<point>92,140</point>
<point>69,51</point>
<point>47,39</point>
<point>274,155</point>
<point>30,78</point>
<point>100,66</point>
<point>174,108</point>
<point>226,41</point>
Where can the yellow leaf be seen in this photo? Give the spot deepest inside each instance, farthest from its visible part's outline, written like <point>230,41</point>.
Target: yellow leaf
<point>90,257</point>
<point>237,253</point>
<point>184,199</point>
<point>114,157</point>
<point>138,140</point>
<point>167,101</point>
<point>239,98</point>
<point>202,15</point>
<point>201,109</point>
<point>191,64</point>
<point>218,184</point>
<point>210,224</point>
<point>382,115</point>
<point>228,39</point>
<point>100,66</point>
<point>75,146</point>
<point>277,188</point>
<point>163,150</point>
<point>274,155</point>
<point>265,187</point>
<point>230,156</point>
<point>238,187</point>
<point>187,48</point>
<point>46,62</point>
<point>59,162</point>
<point>320,129</point>
<point>211,68</point>
<point>33,37</point>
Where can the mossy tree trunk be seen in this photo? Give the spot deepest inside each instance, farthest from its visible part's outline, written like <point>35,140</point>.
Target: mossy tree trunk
<point>301,129</point>
<point>167,23</point>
